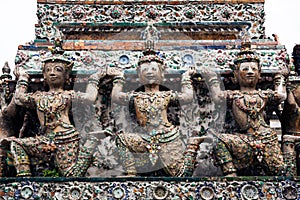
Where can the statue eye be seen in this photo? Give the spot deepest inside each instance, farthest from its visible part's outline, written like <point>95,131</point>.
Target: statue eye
<point>59,69</point>
<point>144,69</point>
<point>245,69</point>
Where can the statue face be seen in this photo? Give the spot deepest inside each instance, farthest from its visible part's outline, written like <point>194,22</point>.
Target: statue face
<point>55,74</point>
<point>150,73</point>
<point>248,74</point>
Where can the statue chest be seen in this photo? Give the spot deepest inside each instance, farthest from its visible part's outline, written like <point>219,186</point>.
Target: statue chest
<point>248,110</point>
<point>151,108</point>
<point>53,103</point>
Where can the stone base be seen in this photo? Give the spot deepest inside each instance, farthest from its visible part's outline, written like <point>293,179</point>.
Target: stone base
<point>150,188</point>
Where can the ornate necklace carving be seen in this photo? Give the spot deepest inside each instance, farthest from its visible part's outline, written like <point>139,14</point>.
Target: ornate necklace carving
<point>252,106</point>
<point>152,104</point>
<point>51,104</point>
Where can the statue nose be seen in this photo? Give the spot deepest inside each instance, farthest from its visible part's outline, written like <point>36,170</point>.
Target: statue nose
<point>149,72</point>
<point>52,73</point>
<point>250,71</point>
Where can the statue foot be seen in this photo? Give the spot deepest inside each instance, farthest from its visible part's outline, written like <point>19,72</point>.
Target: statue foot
<point>127,175</point>
<point>231,175</point>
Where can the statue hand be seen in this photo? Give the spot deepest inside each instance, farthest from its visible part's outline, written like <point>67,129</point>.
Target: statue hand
<point>100,73</point>
<point>190,72</point>
<point>21,73</point>
<point>284,70</point>
<point>208,73</point>
<point>114,71</point>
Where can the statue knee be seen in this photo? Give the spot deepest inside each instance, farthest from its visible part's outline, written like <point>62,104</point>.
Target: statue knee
<point>224,159</point>
<point>83,162</point>
<point>21,159</point>
<point>126,157</point>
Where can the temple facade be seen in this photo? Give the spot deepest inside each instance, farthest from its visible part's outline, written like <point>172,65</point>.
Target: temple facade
<point>99,35</point>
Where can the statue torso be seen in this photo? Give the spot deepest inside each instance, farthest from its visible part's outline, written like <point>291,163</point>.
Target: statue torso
<point>248,110</point>
<point>151,109</point>
<point>53,108</point>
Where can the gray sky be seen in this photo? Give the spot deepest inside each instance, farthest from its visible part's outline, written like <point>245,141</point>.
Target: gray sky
<point>18,18</point>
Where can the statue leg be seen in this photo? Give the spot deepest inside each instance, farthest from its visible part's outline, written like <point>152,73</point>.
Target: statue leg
<point>289,155</point>
<point>21,159</point>
<point>297,150</point>
<point>224,159</point>
<point>274,159</point>
<point>128,144</point>
<point>191,154</point>
<point>177,161</point>
<point>233,152</point>
<point>66,156</point>
<point>84,158</point>
<point>172,157</point>
<point>82,164</point>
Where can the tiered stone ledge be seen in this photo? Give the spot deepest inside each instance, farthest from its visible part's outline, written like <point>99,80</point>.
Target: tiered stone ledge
<point>151,188</point>
<point>145,2</point>
<point>41,44</point>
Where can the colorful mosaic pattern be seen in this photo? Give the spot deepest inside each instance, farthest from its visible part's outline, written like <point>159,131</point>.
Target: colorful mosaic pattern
<point>136,188</point>
<point>55,14</point>
<point>51,15</point>
<point>220,59</point>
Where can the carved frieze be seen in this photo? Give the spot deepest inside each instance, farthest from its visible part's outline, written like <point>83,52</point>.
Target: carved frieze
<point>154,189</point>
<point>52,15</point>
<point>177,60</point>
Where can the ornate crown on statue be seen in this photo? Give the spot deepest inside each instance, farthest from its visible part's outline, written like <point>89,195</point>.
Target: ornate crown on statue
<point>246,54</point>
<point>150,54</point>
<point>57,53</point>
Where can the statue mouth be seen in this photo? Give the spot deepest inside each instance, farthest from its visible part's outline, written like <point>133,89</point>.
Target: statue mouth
<point>53,78</point>
<point>150,77</point>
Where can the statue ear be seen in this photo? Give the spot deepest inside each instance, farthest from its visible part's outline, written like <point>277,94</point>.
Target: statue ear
<point>235,75</point>
<point>259,75</point>
<point>163,74</point>
<point>67,77</point>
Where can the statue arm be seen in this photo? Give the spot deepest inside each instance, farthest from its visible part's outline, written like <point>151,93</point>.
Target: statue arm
<point>117,94</point>
<point>280,84</point>
<point>22,97</point>
<point>291,102</point>
<point>213,83</point>
<point>91,92</point>
<point>7,109</point>
<point>280,88</point>
<point>10,109</point>
<point>187,90</point>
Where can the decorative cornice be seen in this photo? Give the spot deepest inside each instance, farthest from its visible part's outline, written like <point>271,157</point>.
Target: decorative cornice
<point>151,188</point>
<point>104,2</point>
<point>161,45</point>
<point>53,15</point>
<point>217,56</point>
